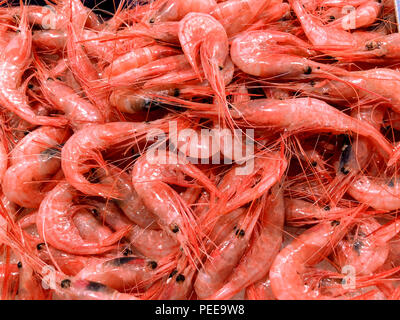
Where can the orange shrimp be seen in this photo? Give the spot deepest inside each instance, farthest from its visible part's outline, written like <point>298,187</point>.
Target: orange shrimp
<point>201,32</point>
<point>224,258</point>
<point>31,164</point>
<point>14,60</point>
<point>308,114</point>
<point>55,225</point>
<point>150,176</point>
<point>308,249</point>
<point>255,263</point>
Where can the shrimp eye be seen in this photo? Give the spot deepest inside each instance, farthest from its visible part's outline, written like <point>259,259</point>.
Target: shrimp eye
<point>344,170</point>
<point>174,228</point>
<point>40,246</point>
<point>180,278</point>
<point>331,18</point>
<point>240,233</point>
<point>127,252</point>
<point>220,68</point>
<point>176,92</point>
<point>30,86</point>
<point>65,284</point>
<point>308,70</point>
<point>174,272</point>
<point>19,265</point>
<point>391,183</point>
<point>312,83</point>
<point>234,227</point>
<point>95,212</point>
<point>59,78</point>
<point>335,223</point>
<point>18,31</point>
<point>50,79</point>
<point>153,264</point>
<point>95,286</point>
<point>314,164</point>
<point>151,20</point>
<point>357,246</point>
<point>327,208</point>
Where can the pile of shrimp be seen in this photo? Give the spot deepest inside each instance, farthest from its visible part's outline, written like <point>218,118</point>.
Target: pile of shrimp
<point>104,193</point>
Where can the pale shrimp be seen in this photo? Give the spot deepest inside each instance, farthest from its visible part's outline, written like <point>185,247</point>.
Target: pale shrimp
<point>226,256</point>
<point>311,247</point>
<point>266,243</point>
<point>89,227</point>
<point>79,289</point>
<point>367,248</point>
<point>14,60</point>
<point>78,111</point>
<point>32,164</point>
<point>308,114</point>
<point>56,227</point>
<point>137,58</point>
<point>175,10</point>
<point>268,53</point>
<point>86,144</point>
<point>154,244</point>
<point>129,202</point>
<point>120,273</point>
<point>201,34</point>
<point>150,177</point>
<point>237,15</point>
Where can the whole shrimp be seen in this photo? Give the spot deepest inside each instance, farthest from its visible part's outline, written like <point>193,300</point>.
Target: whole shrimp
<point>202,34</point>
<point>266,243</point>
<point>14,59</point>
<point>55,224</point>
<point>34,160</point>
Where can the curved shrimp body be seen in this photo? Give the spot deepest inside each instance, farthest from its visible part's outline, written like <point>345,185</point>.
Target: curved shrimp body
<point>80,289</point>
<point>78,111</point>
<point>175,10</point>
<point>120,273</point>
<point>153,244</point>
<point>33,160</point>
<point>236,15</point>
<point>364,251</point>
<point>309,114</point>
<point>255,263</point>
<point>137,58</point>
<point>55,224</point>
<point>308,249</point>
<point>378,193</point>
<point>223,259</point>
<point>150,176</point>
<point>260,290</point>
<point>201,32</point>
<point>85,144</point>
<point>52,40</point>
<point>14,59</point>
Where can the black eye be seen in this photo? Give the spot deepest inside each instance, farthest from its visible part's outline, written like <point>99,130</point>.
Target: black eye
<point>327,208</point>
<point>153,264</point>
<point>19,265</point>
<point>335,223</point>
<point>180,278</point>
<point>308,70</point>
<point>40,246</point>
<point>65,284</point>
<point>240,233</point>
<point>174,272</point>
<point>174,228</point>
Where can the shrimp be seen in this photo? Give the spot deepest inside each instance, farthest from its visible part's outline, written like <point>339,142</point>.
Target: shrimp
<point>311,247</point>
<point>175,10</point>
<point>32,164</point>
<point>150,176</point>
<point>137,58</point>
<point>55,225</point>
<point>86,144</point>
<point>260,290</point>
<point>14,59</point>
<point>201,32</point>
<point>120,273</point>
<point>255,263</point>
<point>224,258</point>
<point>308,114</point>
<point>236,15</point>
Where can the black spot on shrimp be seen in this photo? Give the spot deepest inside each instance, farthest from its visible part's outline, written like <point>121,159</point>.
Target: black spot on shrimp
<point>308,70</point>
<point>19,265</point>
<point>174,272</point>
<point>357,245</point>
<point>152,264</point>
<point>174,228</point>
<point>95,286</point>
<point>391,183</point>
<point>240,233</point>
<point>335,223</point>
<point>121,261</point>
<point>40,246</point>
<point>180,278</point>
<point>92,176</point>
<point>327,208</point>
<point>65,284</point>
<point>345,157</point>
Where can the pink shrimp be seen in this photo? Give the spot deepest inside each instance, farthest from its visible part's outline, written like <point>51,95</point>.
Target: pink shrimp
<point>32,164</point>
<point>14,59</point>
<point>201,32</point>
<point>150,176</point>
<point>255,263</point>
<point>311,247</point>
<point>260,290</point>
<point>55,225</point>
